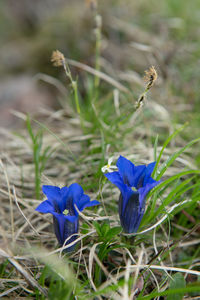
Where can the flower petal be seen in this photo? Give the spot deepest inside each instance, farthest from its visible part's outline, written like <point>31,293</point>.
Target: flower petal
<point>54,195</point>
<point>52,192</point>
<point>89,204</point>
<point>73,197</point>
<point>146,189</point>
<point>64,191</point>
<point>63,200</point>
<point>126,191</point>
<point>126,170</point>
<point>45,207</point>
<point>110,160</point>
<point>71,219</point>
<point>138,176</point>
<point>70,229</point>
<point>149,169</point>
<point>85,202</point>
<point>64,229</point>
<point>132,215</point>
<point>104,169</point>
<point>75,192</point>
<point>116,179</point>
<point>58,223</point>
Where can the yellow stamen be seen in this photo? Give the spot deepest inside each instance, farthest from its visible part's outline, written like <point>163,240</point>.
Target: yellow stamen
<point>65,212</point>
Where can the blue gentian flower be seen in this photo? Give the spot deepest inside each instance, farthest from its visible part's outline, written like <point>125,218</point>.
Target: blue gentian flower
<point>134,183</point>
<point>62,203</point>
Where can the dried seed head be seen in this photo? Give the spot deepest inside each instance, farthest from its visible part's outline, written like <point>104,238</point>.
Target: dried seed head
<point>140,101</point>
<point>57,58</point>
<point>150,77</point>
<point>92,4</point>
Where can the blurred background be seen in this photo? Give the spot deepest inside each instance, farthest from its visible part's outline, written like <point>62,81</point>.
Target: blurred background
<point>135,35</point>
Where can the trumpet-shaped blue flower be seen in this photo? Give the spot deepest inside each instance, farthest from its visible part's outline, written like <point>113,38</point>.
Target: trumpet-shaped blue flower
<point>62,203</point>
<point>134,183</point>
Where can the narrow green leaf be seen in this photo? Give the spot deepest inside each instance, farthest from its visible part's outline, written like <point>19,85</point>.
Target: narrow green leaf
<point>165,145</point>
<point>155,148</point>
<point>183,290</point>
<point>113,232</point>
<point>176,282</point>
<point>171,179</point>
<point>29,128</point>
<point>57,138</point>
<point>173,157</point>
<point>171,196</point>
<point>97,227</point>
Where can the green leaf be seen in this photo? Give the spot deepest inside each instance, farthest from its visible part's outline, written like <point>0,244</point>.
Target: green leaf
<point>98,228</point>
<point>155,148</point>
<point>155,172</point>
<point>57,138</point>
<point>29,128</point>
<point>173,157</point>
<point>113,232</point>
<point>152,213</point>
<point>105,229</point>
<point>177,282</point>
<point>174,194</point>
<point>187,289</point>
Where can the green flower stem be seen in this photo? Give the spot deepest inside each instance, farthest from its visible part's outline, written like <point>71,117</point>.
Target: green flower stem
<point>75,89</point>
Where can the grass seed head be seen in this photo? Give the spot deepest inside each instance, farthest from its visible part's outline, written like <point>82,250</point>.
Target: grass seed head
<point>57,58</point>
<point>150,77</point>
<point>92,4</point>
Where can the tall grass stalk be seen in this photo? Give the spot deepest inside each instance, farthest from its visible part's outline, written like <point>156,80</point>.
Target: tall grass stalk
<point>40,155</point>
<point>98,29</point>
<point>58,59</point>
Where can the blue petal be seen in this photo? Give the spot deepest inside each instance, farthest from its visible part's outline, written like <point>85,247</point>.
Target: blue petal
<point>132,215</point>
<point>71,219</point>
<point>54,195</point>
<point>58,223</point>
<point>73,196</point>
<point>150,180</point>
<point>52,192</point>
<point>45,207</point>
<point>116,179</point>
<point>85,202</point>
<point>138,176</point>
<point>148,172</point>
<point>125,197</point>
<point>75,192</point>
<point>126,170</point>
<point>146,189</point>
<point>70,229</point>
<point>126,191</point>
<point>63,202</point>
<point>91,203</point>
<point>64,229</point>
<point>64,191</point>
